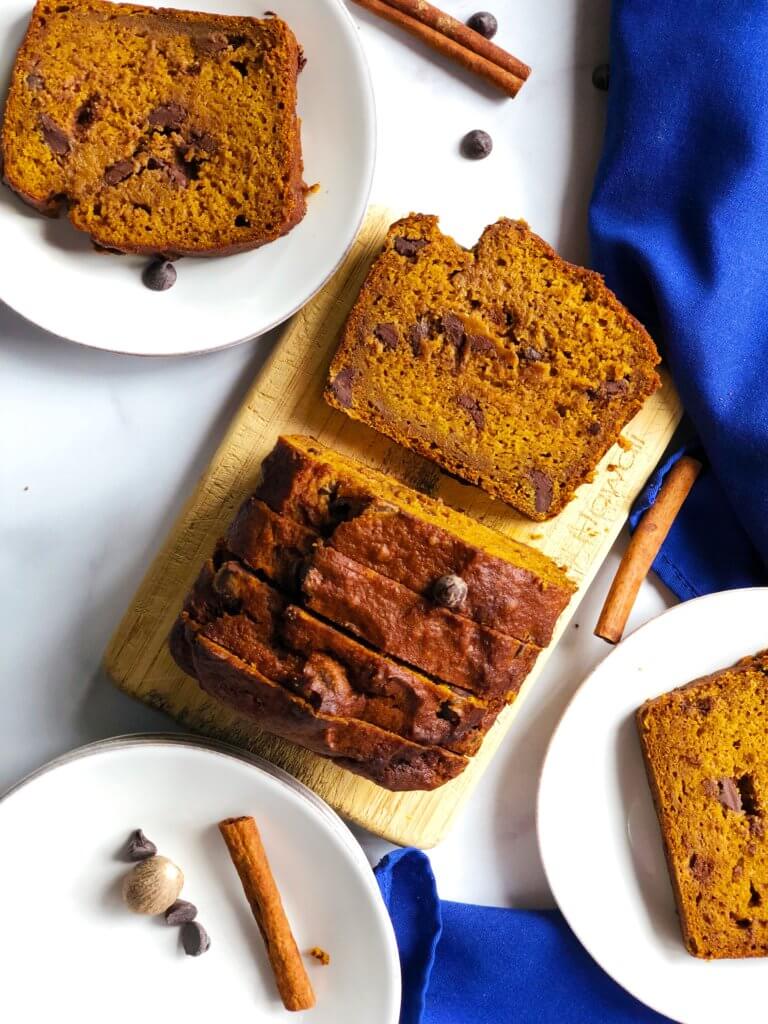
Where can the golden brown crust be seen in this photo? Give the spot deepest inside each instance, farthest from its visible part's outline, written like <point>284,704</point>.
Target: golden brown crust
<point>412,538</point>
<point>504,364</point>
<point>205,184</point>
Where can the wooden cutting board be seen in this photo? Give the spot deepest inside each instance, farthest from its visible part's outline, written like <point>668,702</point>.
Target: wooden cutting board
<point>286,398</point>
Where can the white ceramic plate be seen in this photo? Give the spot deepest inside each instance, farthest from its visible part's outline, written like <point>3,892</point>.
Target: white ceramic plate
<point>70,950</point>
<point>598,832</point>
<point>50,274</point>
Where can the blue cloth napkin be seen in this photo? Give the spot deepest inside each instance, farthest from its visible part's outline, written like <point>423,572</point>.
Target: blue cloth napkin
<point>463,964</point>
<point>679,225</point>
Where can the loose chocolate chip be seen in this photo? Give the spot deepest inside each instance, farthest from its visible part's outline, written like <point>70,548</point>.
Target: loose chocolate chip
<point>472,406</point>
<point>450,592</point>
<point>387,335</point>
<point>542,487</point>
<point>171,115</point>
<point>181,912</point>
<point>417,333</point>
<point>211,44</point>
<point>195,939</point>
<point>139,847</point>
<point>601,77</point>
<point>453,329</point>
<point>302,59</point>
<point>341,386</point>
<point>531,354</point>
<point>409,246</point>
<point>56,139</point>
<point>118,172</point>
<point>476,145</point>
<point>35,81</point>
<point>484,23</point>
<point>159,276</point>
<point>593,429</point>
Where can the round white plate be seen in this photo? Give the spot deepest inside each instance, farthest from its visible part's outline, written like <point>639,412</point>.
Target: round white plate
<point>598,832</point>
<point>70,950</point>
<point>50,274</point>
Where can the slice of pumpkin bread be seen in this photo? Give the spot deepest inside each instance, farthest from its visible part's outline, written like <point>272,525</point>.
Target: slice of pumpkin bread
<point>413,539</point>
<point>503,364</point>
<point>161,131</point>
<point>705,752</point>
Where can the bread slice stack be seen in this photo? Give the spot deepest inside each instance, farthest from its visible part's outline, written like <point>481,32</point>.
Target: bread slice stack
<point>365,621</point>
<point>160,131</point>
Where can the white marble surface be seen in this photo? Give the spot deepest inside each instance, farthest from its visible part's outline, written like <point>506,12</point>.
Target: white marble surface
<point>99,451</point>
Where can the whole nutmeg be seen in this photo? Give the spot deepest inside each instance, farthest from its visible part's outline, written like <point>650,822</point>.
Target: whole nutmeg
<point>152,886</point>
<point>450,592</point>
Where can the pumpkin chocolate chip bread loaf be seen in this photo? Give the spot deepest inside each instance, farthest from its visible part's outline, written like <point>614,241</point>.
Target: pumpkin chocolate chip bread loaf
<point>413,539</point>
<point>161,131</point>
<point>705,752</point>
<point>503,364</point>
<point>394,682</point>
<point>333,672</point>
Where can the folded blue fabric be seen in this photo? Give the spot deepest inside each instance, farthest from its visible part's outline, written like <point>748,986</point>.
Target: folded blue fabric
<point>463,964</point>
<point>679,227</point>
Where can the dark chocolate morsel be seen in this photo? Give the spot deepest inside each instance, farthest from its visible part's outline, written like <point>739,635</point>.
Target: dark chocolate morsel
<point>171,115</point>
<point>195,939</point>
<point>480,344</point>
<point>139,847</point>
<point>35,81</point>
<point>542,487</point>
<point>387,335</point>
<point>601,77</point>
<point>453,329</point>
<point>56,139</point>
<point>476,145</point>
<point>471,405</point>
<point>593,429</point>
<point>341,386</point>
<point>211,44</point>
<point>181,912</point>
<point>118,172</point>
<point>701,867</point>
<point>725,791</point>
<point>531,354</point>
<point>409,246</point>
<point>417,333</point>
<point>484,23</point>
<point>450,592</point>
<point>159,275</point>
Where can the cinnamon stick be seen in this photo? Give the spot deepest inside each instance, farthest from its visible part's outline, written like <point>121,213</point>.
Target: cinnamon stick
<point>247,852</point>
<point>455,40</point>
<point>643,548</point>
